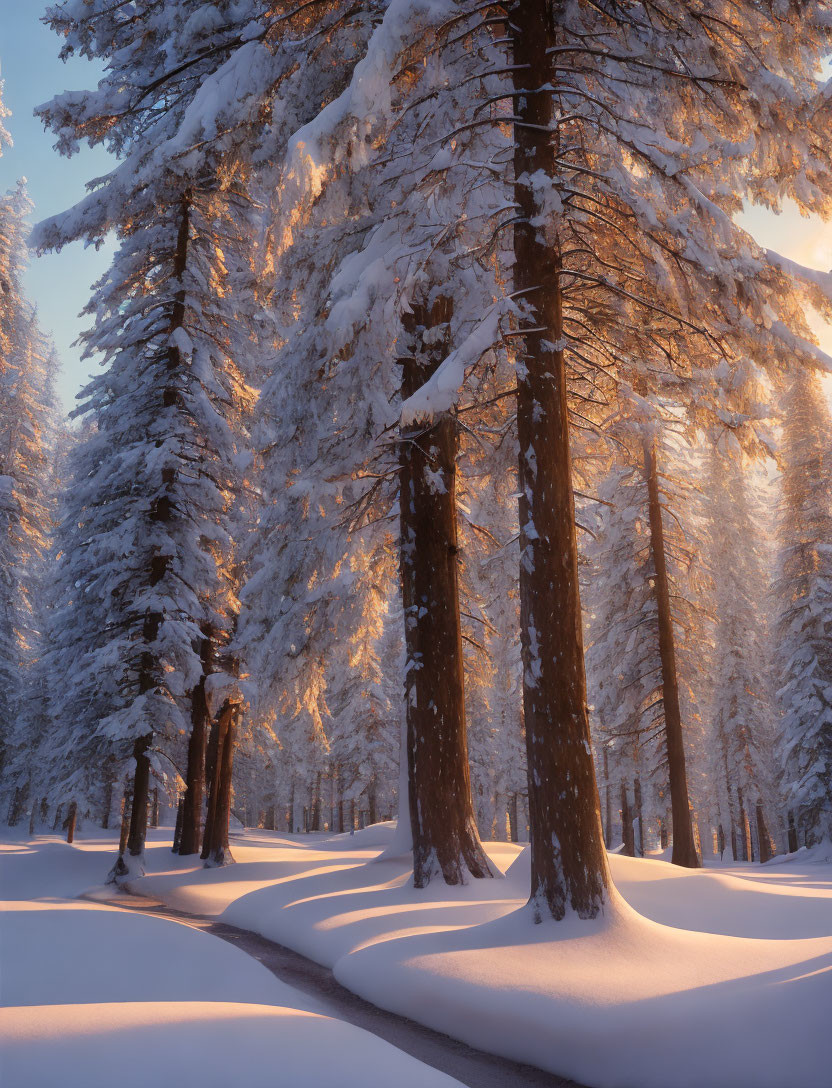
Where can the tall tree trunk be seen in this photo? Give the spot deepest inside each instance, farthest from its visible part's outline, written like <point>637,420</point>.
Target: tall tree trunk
<point>763,837</point>
<point>141,785</point>
<point>371,801</point>
<point>639,812</point>
<point>445,838</point>
<point>33,816</point>
<point>177,831</point>
<point>191,840</point>
<point>744,828</point>
<point>793,843</point>
<point>215,849</point>
<point>684,847</point>
<point>627,835</point>
<point>512,819</point>
<point>71,821</point>
<point>109,783</point>
<point>57,821</point>
<point>607,800</point>
<point>568,861</point>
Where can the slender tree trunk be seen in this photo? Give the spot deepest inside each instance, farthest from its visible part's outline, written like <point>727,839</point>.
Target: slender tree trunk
<point>793,843</point>
<point>371,801</point>
<point>445,838</point>
<point>191,841</point>
<point>607,801</point>
<point>352,815</point>
<point>215,849</point>
<point>639,811</point>
<point>58,813</point>
<point>109,784</point>
<point>33,816</point>
<point>71,821</point>
<point>141,786</point>
<point>627,834</point>
<point>568,861</point>
<point>684,847</point>
<point>268,821</point>
<point>744,828</point>
<point>177,831</point>
<point>512,819</point>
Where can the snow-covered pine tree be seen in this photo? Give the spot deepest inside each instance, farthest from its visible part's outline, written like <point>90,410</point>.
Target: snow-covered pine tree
<point>172,320</point>
<point>742,716</point>
<point>28,435</point>
<point>615,224</point>
<point>803,601</point>
<point>378,260</point>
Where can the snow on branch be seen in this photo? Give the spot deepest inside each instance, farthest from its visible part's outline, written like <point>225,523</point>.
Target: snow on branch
<point>442,389</point>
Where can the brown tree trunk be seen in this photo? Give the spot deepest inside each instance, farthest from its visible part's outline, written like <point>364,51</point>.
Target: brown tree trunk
<point>141,786</point>
<point>568,861</point>
<point>512,819</point>
<point>744,828</point>
<point>177,831</point>
<point>684,847</point>
<point>763,837</point>
<point>71,821</point>
<point>445,838</point>
<point>316,803</point>
<point>607,801</point>
<point>215,850</point>
<point>639,812</point>
<point>109,783</point>
<point>191,841</point>
<point>371,801</point>
<point>793,842</point>
<point>627,836</point>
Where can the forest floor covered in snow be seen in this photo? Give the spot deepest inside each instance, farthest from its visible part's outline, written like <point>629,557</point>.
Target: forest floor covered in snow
<point>94,996</point>
<point>713,979</point>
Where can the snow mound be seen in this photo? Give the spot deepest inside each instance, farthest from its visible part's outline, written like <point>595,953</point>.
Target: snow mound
<point>212,1044</point>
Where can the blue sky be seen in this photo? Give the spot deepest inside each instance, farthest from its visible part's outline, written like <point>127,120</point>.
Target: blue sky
<point>60,283</point>
<point>32,73</point>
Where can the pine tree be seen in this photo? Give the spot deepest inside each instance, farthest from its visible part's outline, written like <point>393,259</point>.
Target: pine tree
<point>28,435</point>
<point>803,602</point>
<point>173,322</point>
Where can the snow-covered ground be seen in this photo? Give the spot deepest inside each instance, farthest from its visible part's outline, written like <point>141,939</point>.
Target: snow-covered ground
<point>712,979</point>
<point>95,997</point>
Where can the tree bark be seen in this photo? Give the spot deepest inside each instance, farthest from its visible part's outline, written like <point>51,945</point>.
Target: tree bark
<point>446,842</point>
<point>568,861</point>
<point>191,841</point>
<point>33,816</point>
<point>607,801</point>
<point>71,821</point>
<point>627,835</point>
<point>177,831</point>
<point>684,847</point>
<point>215,849</point>
<point>792,830</point>
<point>639,812</point>
<point>57,821</point>
<point>141,785</point>
<point>762,836</point>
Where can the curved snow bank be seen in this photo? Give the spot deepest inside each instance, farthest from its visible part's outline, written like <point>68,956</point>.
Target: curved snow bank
<point>207,1043</point>
<point>102,996</point>
<point>723,979</point>
<point>624,1003</point>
